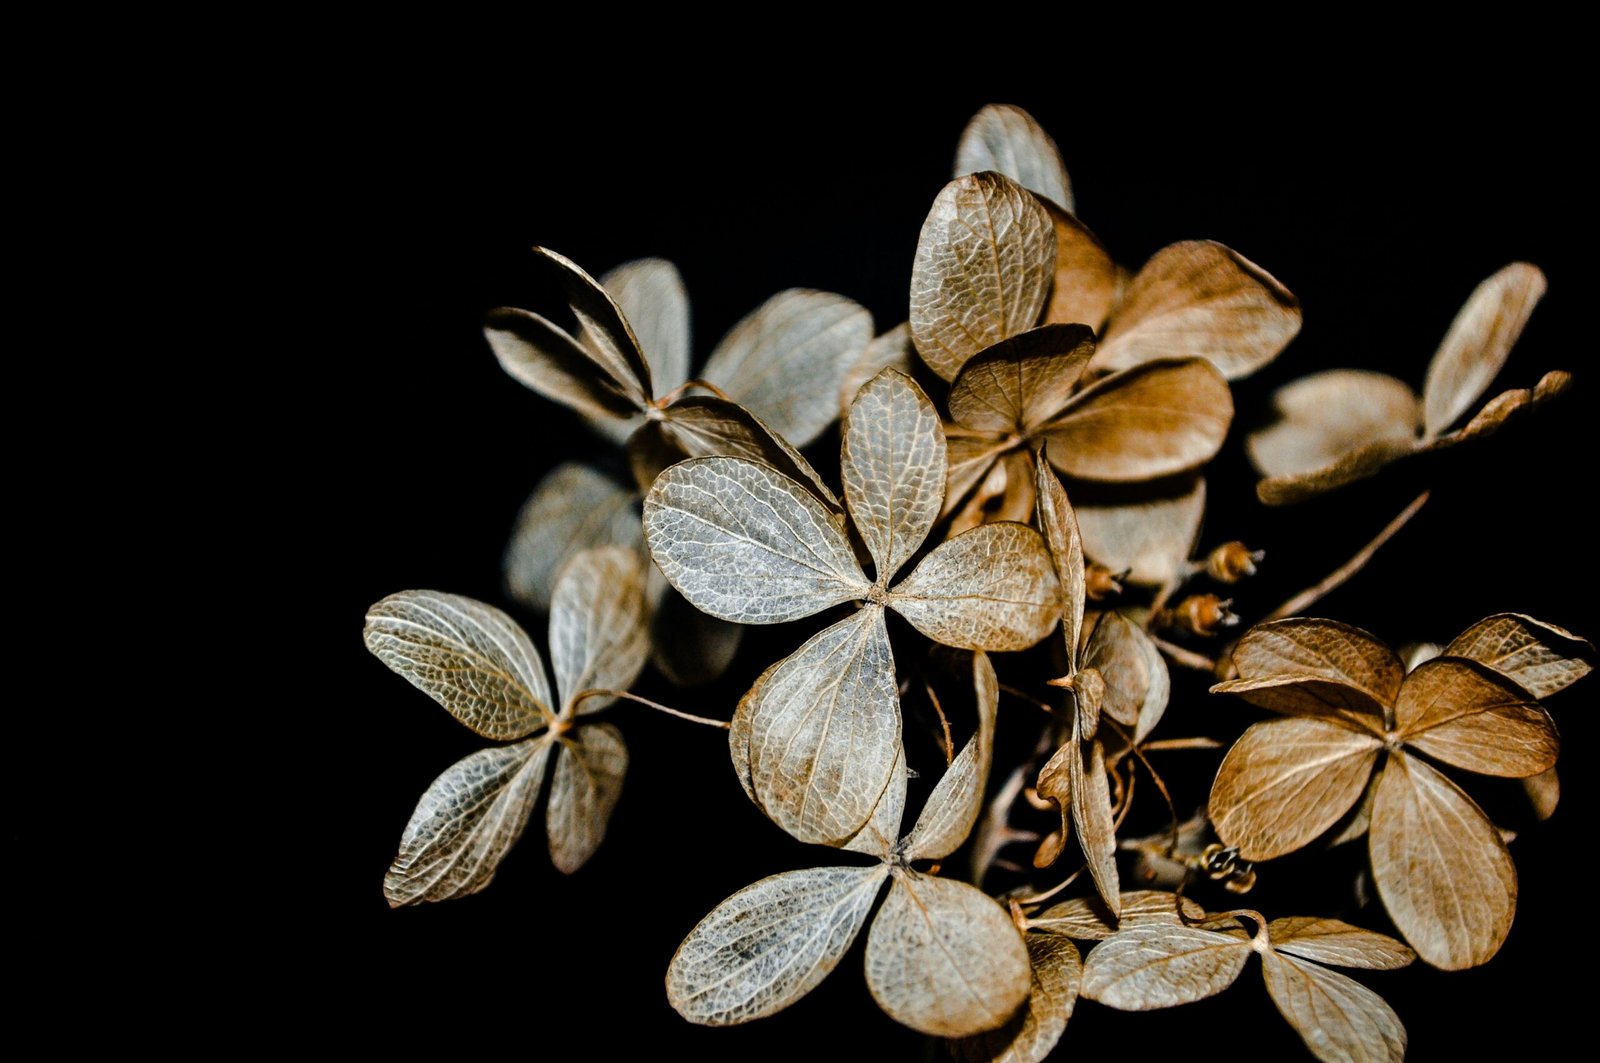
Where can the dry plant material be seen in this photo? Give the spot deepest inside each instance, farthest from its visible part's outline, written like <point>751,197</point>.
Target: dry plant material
<point>1343,425</point>
<point>1346,701</point>
<point>476,662</point>
<point>745,543</point>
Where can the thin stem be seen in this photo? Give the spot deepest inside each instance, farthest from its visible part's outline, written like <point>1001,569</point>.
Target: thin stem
<point>1127,807</point>
<point>672,396</point>
<point>1181,743</point>
<point>1187,658</point>
<point>1039,898</point>
<point>724,724</point>
<point>1338,576</point>
<point>949,744</point>
<point>1155,777</point>
<point>1023,695</point>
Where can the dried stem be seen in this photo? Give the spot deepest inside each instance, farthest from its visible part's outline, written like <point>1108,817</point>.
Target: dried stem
<point>1188,658</point>
<point>1155,777</point>
<point>723,724</point>
<point>1039,898</point>
<point>1338,576</point>
<point>944,721</point>
<point>1023,695</point>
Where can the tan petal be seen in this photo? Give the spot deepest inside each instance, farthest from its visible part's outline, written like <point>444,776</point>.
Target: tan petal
<point>1359,464</point>
<point>588,780</point>
<point>1035,1029</point>
<point>893,467</point>
<point>1305,695</point>
<point>1148,537</point>
<point>1006,493</point>
<point>1440,866</point>
<point>469,657</point>
<point>977,476</point>
<point>1022,382</point>
<point>739,732</point>
<point>650,294</point>
<point>1199,299</point>
<point>955,802</point>
<point>599,637</point>
<point>1323,417</point>
<point>992,588</point>
<point>770,944</point>
<point>982,269</point>
<point>786,360</point>
<point>1286,781</point>
<point>1504,406</point>
<point>688,647</point>
<point>1086,280</point>
<point>605,333</point>
<point>574,507</point>
<point>1136,677</point>
<point>1007,140</point>
<point>1150,967</point>
<point>945,959</point>
<point>825,731</point>
<point>1478,343</point>
<point>466,822</point>
<point>1541,658</point>
<point>877,837</point>
<point>1337,1017</point>
<point>1059,524</point>
<point>745,543</point>
<point>891,350</point>
<point>1470,716</point>
<point>1324,649</point>
<point>1340,944</point>
<point>1544,792</point>
<point>540,356</point>
<point>1055,784</point>
<point>1092,816</point>
<point>1089,919</point>
<point>1154,420</point>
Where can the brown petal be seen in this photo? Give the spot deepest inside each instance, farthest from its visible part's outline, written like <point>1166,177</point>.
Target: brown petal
<point>1478,343</point>
<point>606,334</point>
<point>955,802</point>
<point>1091,814</point>
<point>1326,416</point>
<point>1154,420</point>
<point>1088,918</point>
<point>1005,493</point>
<point>1440,866</point>
<point>892,350</point>
<point>1060,527</point>
<point>893,460</point>
<point>1541,658</point>
<point>1007,140</point>
<point>588,780</point>
<point>1086,280</point>
<point>1544,792</point>
<point>1199,299</point>
<point>1286,781</point>
<point>1337,1017</point>
<point>982,269</point>
<point>1037,1027</point>
<point>1325,649</point>
<point>1305,695</point>
<point>992,588</point>
<point>650,294</point>
<point>541,356</point>
<point>1149,537</point>
<point>1470,716</point>
<point>1504,406</point>
<point>974,478</point>
<point>1150,967</point>
<point>1340,944</point>
<point>1021,382</point>
<point>1356,465</point>
<point>1136,678</point>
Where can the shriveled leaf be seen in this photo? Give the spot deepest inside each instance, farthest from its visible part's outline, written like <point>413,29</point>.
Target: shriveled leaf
<point>1055,784</point>
<point>1339,944</point>
<point>1544,792</point>
<point>745,543</point>
<point>1034,1030</point>
<point>878,836</point>
<point>573,508</point>
<point>1086,279</point>
<point>1007,140</point>
<point>1440,866</point>
<point>1286,781</point>
<point>1150,537</point>
<point>770,944</point>
<point>1162,966</point>
<point>1541,658</point>
<point>825,731</point>
<point>1478,343</point>
<point>1296,694</point>
<point>1325,416</point>
<point>991,588</point>
<point>1358,464</point>
<point>1089,919</point>
<point>469,657</point>
<point>1468,715</point>
<point>955,802</point>
<point>605,333</point>
<point>705,427</point>
<point>599,638</point>
<point>982,269</point>
<point>1325,649</point>
<point>1157,419</point>
<point>1059,523</point>
<point>542,357</point>
<point>1091,815</point>
<point>651,296</point>
<point>466,822</point>
<point>588,780</point>
<point>891,350</point>
<point>893,467</point>
<point>1337,1017</point>
<point>1506,405</point>
<point>787,359</point>
<point>945,959</point>
<point>1022,382</point>
<point>1199,299</point>
<point>1136,678</point>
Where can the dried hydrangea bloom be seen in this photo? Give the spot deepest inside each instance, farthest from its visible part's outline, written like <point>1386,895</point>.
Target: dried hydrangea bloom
<point>476,662</point>
<point>746,543</point>
<point>1344,425</point>
<point>941,957</point>
<point>1146,534</point>
<point>1346,700</point>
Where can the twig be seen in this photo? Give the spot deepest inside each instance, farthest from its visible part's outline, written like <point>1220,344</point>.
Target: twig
<point>1338,576</point>
<point>949,744</point>
<point>1162,744</point>
<point>724,724</point>
<point>1023,695</point>
<point>1039,898</point>
<point>1187,658</point>
<point>1155,777</point>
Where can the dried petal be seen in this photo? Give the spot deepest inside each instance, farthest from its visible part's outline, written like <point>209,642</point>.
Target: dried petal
<point>1506,405</point>
<point>1286,781</point>
<point>770,944</point>
<point>466,822</point>
<point>598,635</point>
<point>1091,814</point>
<point>1478,343</point>
<point>1305,695</point>
<point>688,647</point>
<point>877,837</point>
<point>1136,677</point>
<point>1034,1030</point>
<point>1157,419</point>
<point>1199,299</point>
<point>787,359</point>
<point>1356,465</point>
<point>1149,538</point>
<point>1325,416</point>
<point>1150,967</point>
<point>1088,918</point>
<point>1022,382</point>
<point>541,356</point>
<point>944,958</point>
<point>892,350</point>
<point>893,468</point>
<point>955,802</point>
<point>1086,279</point>
<point>1337,1017</point>
<point>588,780</point>
<point>650,294</point>
<point>745,543</point>
<point>1007,140</point>
<point>573,508</point>
<point>1325,649</point>
<point>1470,716</point>
<point>1340,944</point>
<point>1539,657</point>
<point>1440,866</point>
<point>976,475</point>
<point>469,657</point>
<point>983,266</point>
<point>1544,792</point>
<point>1059,524</point>
<point>991,588</point>
<point>605,333</point>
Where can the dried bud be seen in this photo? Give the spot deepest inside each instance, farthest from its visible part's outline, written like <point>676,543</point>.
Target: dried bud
<point>1232,562</point>
<point>1199,614</point>
<point>1100,582</point>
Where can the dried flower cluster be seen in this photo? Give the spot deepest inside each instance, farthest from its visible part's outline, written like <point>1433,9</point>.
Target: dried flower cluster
<point>1031,366</point>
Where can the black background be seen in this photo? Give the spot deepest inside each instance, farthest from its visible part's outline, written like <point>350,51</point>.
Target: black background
<point>1380,217</point>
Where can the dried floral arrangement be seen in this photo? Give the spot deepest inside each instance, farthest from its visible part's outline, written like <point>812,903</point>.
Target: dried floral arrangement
<point>977,443</point>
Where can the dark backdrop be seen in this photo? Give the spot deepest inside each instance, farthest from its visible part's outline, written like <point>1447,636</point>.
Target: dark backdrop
<point>1381,218</point>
